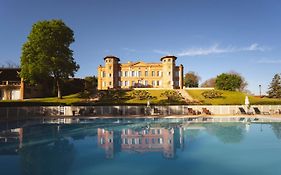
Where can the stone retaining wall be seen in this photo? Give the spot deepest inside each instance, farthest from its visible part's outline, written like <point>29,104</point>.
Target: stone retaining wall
<point>27,112</point>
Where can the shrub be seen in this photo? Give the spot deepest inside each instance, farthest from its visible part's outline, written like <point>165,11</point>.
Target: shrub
<point>172,95</point>
<point>212,94</point>
<point>141,95</point>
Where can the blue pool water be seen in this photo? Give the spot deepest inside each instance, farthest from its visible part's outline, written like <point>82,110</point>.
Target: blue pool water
<point>140,147</point>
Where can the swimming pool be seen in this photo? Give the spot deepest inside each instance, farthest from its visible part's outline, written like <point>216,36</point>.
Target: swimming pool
<point>140,147</point>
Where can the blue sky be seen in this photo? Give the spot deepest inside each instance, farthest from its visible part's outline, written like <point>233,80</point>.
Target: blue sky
<point>208,36</point>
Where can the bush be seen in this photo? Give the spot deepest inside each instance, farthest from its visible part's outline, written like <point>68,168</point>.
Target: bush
<point>172,96</point>
<point>141,95</point>
<point>212,94</point>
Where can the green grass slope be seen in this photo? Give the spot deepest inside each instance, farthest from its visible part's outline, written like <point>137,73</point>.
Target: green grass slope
<point>232,98</point>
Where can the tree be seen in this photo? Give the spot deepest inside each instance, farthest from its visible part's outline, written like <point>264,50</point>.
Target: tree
<point>243,84</point>
<point>90,83</point>
<point>275,87</point>
<point>191,79</point>
<point>46,53</point>
<point>209,83</point>
<point>230,82</point>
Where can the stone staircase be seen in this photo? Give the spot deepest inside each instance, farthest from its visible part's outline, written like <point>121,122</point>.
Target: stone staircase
<point>185,95</point>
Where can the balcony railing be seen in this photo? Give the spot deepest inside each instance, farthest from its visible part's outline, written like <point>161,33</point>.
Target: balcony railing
<point>10,83</point>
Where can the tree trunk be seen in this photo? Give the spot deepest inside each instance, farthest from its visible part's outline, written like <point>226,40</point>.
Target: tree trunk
<point>59,89</point>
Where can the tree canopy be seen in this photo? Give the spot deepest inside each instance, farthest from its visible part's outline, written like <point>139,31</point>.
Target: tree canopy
<point>191,79</point>
<point>46,53</point>
<point>275,87</point>
<point>209,83</point>
<point>228,81</point>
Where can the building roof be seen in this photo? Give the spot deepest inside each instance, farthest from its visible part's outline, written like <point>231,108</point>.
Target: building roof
<point>140,63</point>
<point>169,56</point>
<point>111,56</point>
<point>10,74</point>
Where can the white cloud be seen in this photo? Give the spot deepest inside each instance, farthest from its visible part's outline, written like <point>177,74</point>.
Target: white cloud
<point>269,61</point>
<point>214,49</point>
<point>162,52</point>
<point>255,47</point>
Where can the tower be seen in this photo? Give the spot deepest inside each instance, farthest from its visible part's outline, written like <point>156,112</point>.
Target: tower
<point>168,70</point>
<point>108,75</point>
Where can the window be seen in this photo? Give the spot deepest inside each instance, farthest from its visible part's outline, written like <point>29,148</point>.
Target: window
<point>145,82</point>
<point>120,83</point>
<point>109,75</point>
<point>177,73</point>
<point>158,73</point>
<point>126,73</point>
<point>103,83</point>
<point>146,141</point>
<point>153,83</point>
<point>119,73</point>
<point>102,140</point>
<point>139,73</point>
<point>158,131</point>
<point>169,73</point>
<point>103,74</point>
<point>110,83</point>
<point>157,83</point>
<point>160,141</point>
<point>146,73</point>
<point>126,83</point>
<point>153,73</point>
<point>133,73</point>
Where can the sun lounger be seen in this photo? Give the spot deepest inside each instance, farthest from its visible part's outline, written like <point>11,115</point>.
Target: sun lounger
<point>242,110</point>
<point>206,111</point>
<point>191,111</point>
<point>257,111</point>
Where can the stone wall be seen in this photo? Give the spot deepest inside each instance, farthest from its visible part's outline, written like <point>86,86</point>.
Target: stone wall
<point>41,111</point>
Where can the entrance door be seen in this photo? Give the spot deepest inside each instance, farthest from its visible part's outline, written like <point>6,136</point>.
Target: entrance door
<point>15,94</point>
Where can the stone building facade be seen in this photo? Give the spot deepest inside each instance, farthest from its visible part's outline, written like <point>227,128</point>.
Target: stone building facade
<point>11,85</point>
<point>164,74</point>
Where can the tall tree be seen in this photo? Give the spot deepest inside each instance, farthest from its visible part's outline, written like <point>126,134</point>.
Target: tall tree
<point>275,87</point>
<point>227,81</point>
<point>46,53</point>
<point>191,79</point>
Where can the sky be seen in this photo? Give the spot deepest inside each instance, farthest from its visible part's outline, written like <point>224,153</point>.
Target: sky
<point>209,37</point>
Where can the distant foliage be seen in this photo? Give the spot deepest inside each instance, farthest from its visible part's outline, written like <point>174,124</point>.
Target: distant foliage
<point>172,95</point>
<point>275,87</point>
<point>191,79</point>
<point>90,83</point>
<point>212,94</point>
<point>141,95</point>
<point>227,81</point>
<point>209,83</point>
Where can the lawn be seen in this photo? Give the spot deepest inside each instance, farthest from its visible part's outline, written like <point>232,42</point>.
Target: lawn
<point>124,97</point>
<point>232,98</point>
